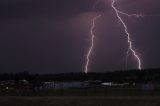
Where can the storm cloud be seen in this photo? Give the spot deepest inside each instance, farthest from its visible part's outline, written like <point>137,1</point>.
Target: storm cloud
<point>50,36</point>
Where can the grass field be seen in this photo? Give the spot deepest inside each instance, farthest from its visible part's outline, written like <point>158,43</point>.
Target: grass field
<point>79,101</point>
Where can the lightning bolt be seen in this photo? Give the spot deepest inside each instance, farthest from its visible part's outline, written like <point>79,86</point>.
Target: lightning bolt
<point>127,54</point>
<point>131,49</point>
<point>130,15</point>
<point>92,43</point>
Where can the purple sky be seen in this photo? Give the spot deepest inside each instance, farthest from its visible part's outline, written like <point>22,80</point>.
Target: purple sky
<point>50,36</point>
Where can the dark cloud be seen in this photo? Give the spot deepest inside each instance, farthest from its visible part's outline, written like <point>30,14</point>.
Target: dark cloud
<point>59,9</point>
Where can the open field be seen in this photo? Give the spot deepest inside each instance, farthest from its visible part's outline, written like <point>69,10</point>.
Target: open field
<point>79,101</point>
<point>92,91</point>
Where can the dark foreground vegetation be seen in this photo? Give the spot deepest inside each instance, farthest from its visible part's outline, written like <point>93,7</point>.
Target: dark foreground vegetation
<point>80,101</point>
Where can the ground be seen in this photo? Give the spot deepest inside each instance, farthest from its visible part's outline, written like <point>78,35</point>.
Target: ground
<point>80,101</point>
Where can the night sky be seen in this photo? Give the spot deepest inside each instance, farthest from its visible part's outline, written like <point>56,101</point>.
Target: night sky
<point>53,36</point>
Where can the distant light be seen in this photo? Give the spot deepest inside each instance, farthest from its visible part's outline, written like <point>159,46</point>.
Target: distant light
<point>107,83</point>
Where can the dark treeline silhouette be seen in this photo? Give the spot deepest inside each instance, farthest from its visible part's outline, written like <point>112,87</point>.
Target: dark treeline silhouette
<point>137,76</point>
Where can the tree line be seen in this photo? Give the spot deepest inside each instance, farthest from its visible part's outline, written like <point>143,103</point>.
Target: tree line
<point>137,76</point>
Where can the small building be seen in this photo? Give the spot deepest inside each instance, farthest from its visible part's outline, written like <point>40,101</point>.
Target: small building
<point>114,84</point>
<point>74,84</point>
<point>59,85</point>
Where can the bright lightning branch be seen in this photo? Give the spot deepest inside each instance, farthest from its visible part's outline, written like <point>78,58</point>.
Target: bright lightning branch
<point>130,44</point>
<point>92,43</point>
